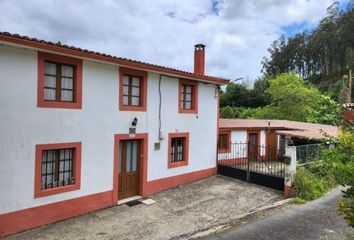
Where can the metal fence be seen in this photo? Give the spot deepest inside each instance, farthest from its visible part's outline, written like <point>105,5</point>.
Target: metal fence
<point>309,152</point>
<point>251,157</point>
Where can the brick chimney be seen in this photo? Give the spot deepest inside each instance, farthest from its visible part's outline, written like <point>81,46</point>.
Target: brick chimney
<point>199,59</point>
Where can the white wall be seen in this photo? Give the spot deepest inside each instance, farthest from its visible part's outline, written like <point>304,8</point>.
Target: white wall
<point>23,125</point>
<point>240,150</point>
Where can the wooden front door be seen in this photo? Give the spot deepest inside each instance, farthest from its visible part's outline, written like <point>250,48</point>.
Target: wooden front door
<point>271,148</point>
<point>128,168</point>
<point>253,146</point>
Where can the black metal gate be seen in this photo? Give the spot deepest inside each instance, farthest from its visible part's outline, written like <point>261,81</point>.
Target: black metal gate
<point>252,163</point>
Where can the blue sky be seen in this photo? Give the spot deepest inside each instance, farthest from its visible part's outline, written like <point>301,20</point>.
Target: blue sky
<point>237,33</point>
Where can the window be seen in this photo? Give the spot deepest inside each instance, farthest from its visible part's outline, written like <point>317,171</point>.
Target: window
<point>178,149</point>
<point>57,168</point>
<point>224,142</point>
<point>59,81</point>
<point>188,97</point>
<point>133,90</point>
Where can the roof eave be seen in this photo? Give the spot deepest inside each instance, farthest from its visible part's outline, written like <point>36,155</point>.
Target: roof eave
<point>45,46</point>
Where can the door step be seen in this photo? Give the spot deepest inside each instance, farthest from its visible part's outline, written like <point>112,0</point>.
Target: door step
<point>125,200</point>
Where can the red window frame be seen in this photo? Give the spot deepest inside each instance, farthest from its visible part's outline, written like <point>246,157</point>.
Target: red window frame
<point>77,63</point>
<point>185,149</point>
<point>38,192</point>
<point>228,142</point>
<point>143,89</point>
<point>194,103</point>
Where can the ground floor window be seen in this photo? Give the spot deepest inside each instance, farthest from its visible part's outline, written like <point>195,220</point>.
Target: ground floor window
<point>178,149</point>
<point>224,142</point>
<point>57,168</point>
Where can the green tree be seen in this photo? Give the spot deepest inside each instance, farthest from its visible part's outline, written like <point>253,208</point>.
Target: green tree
<point>291,98</point>
<point>226,112</point>
<point>319,56</point>
<point>326,111</point>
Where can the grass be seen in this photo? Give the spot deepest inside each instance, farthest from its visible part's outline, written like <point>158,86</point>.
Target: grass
<point>298,200</point>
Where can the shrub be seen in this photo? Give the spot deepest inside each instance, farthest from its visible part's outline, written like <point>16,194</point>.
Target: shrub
<point>309,186</point>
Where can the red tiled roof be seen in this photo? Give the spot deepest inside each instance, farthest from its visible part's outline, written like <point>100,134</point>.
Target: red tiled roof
<point>84,53</point>
<point>292,128</point>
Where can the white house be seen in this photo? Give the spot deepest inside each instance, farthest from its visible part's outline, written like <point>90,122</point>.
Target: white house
<point>80,130</point>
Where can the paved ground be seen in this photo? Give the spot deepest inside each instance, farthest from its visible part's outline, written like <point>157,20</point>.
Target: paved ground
<point>316,220</point>
<point>187,209</point>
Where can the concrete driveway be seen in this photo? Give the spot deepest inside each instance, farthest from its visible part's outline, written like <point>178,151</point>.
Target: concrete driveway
<point>176,213</point>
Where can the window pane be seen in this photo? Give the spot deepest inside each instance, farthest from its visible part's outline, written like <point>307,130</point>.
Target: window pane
<point>62,154</point>
<point>188,97</point>
<point>125,100</point>
<point>67,71</point>
<point>173,151</point>
<point>135,91</point>
<point>188,89</point>
<point>50,68</point>
<point>126,80</point>
<point>188,105</point>
<point>67,95</point>
<point>49,81</point>
<point>120,158</point>
<point>135,155</point>
<point>135,101</point>
<point>125,90</point>
<point>136,81</point>
<point>67,83</point>
<point>49,94</point>
<point>128,162</point>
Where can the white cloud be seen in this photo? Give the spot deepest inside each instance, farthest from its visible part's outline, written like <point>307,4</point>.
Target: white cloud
<point>237,33</point>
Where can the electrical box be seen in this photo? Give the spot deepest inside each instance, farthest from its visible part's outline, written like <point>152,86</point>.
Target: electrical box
<point>156,146</point>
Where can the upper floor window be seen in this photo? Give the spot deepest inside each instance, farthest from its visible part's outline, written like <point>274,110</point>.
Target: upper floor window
<point>57,168</point>
<point>188,97</point>
<point>59,81</point>
<point>133,90</point>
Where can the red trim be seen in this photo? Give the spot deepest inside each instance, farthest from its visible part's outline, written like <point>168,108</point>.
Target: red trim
<point>287,191</point>
<point>143,162</point>
<point>38,169</point>
<point>63,49</point>
<point>21,220</point>
<point>194,109</point>
<point>159,185</point>
<point>217,124</point>
<point>186,150</point>
<point>228,149</point>
<point>143,98</point>
<point>77,104</point>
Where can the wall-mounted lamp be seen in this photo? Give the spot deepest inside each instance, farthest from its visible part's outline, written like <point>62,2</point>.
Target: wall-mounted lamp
<point>134,122</point>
